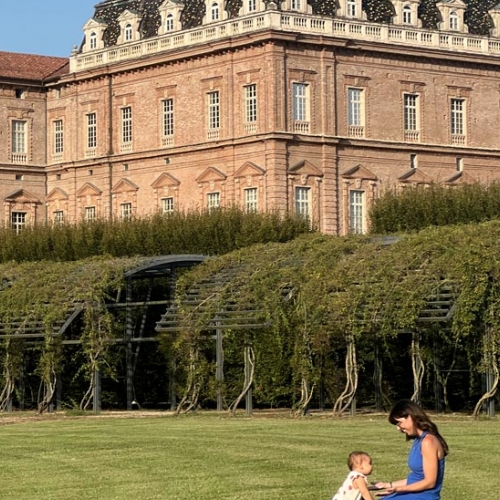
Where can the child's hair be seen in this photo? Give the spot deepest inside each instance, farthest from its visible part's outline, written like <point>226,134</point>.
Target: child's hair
<point>355,458</point>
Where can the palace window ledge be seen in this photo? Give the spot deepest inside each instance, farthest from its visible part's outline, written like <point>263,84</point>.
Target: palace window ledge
<point>458,140</point>
<point>167,141</point>
<point>357,131</point>
<point>288,21</point>
<point>19,158</point>
<point>412,136</point>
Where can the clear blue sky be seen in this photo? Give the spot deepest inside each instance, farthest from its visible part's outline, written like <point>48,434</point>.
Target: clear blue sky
<point>45,27</point>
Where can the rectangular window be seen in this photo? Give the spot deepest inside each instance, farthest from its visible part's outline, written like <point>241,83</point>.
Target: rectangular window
<point>125,211</point>
<point>213,201</point>
<point>411,117</point>
<point>18,221</point>
<point>213,112</point>
<point>168,117</point>
<point>351,8</point>
<point>356,211</point>
<point>126,125</point>
<point>19,137</point>
<point>58,217</point>
<point>90,214</point>
<point>91,131</point>
<point>167,205</point>
<point>251,200</point>
<point>58,137</point>
<point>300,100</point>
<point>355,107</point>
<point>302,201</point>
<point>457,117</point>
<point>250,98</point>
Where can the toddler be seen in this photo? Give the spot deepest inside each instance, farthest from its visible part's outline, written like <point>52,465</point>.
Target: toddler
<point>355,487</point>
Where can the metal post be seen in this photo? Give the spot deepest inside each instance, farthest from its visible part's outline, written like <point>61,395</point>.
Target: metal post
<point>96,399</point>
<point>248,395</point>
<point>219,375</point>
<point>128,340</point>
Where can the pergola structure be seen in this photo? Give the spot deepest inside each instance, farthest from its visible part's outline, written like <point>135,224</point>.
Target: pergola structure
<point>32,330</point>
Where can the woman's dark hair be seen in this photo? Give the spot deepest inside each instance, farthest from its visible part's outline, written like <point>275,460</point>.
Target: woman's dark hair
<point>405,408</point>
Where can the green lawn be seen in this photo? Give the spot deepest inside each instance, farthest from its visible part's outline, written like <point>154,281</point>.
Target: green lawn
<point>210,456</point>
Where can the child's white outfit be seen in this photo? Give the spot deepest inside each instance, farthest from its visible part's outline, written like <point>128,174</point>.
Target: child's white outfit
<point>347,491</point>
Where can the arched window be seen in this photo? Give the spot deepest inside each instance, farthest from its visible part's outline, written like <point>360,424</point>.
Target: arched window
<point>215,15</point>
<point>407,14</point>
<point>169,23</point>
<point>128,33</point>
<point>351,8</point>
<point>93,40</point>
<point>453,21</point>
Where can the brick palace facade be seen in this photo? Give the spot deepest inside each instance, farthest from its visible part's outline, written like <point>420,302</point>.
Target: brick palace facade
<point>315,109</point>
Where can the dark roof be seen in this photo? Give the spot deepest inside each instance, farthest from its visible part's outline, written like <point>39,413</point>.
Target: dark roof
<point>18,66</point>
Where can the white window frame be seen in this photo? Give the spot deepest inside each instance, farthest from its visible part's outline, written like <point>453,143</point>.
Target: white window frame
<point>351,8</point>
<point>300,101</point>
<point>356,107</point>
<point>167,106</point>
<point>90,214</point>
<point>19,137</point>
<point>213,113</point>
<point>411,112</point>
<point>167,205</point>
<point>215,11</point>
<point>91,130</point>
<point>169,23</point>
<point>357,211</point>
<point>126,125</point>
<point>407,14</point>
<point>250,103</point>
<point>58,216</point>
<point>453,21</point>
<point>457,116</point>
<point>251,199</point>
<point>303,201</point>
<point>252,5</point>
<point>58,128</point>
<point>296,5</point>
<point>18,221</point>
<point>93,40</point>
<point>128,33</point>
<point>213,200</point>
<point>126,210</point>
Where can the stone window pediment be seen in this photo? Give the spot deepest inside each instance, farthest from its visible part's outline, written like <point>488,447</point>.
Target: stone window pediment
<point>249,169</point>
<point>57,194</point>
<point>88,189</point>
<point>211,174</point>
<point>124,186</point>
<point>21,196</point>
<point>305,168</point>
<point>452,15</point>
<point>415,176</point>
<point>165,181</point>
<point>359,172</point>
<point>406,12</point>
<point>460,178</point>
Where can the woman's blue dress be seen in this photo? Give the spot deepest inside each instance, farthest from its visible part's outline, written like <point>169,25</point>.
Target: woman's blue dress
<point>415,463</point>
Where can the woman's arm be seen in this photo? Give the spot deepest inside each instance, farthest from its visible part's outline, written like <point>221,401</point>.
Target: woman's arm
<point>389,486</point>
<point>431,449</point>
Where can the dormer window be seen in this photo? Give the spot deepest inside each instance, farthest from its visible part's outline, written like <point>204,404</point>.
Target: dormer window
<point>453,21</point>
<point>169,23</point>
<point>128,33</point>
<point>351,8</point>
<point>407,15</point>
<point>94,34</point>
<point>296,4</point>
<point>252,5</point>
<point>214,12</point>
<point>93,40</point>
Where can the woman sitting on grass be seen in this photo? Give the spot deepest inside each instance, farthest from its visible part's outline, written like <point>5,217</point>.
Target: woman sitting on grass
<point>427,455</point>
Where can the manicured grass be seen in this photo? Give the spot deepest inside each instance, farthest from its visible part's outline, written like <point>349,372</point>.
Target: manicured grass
<point>211,456</point>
